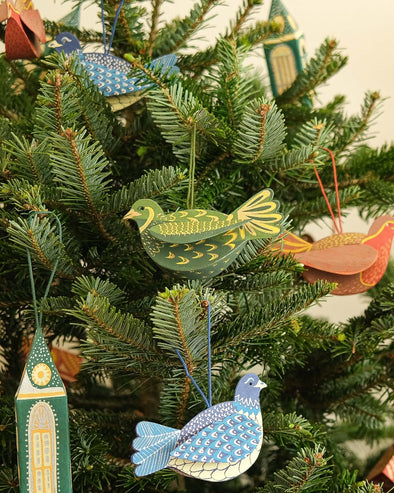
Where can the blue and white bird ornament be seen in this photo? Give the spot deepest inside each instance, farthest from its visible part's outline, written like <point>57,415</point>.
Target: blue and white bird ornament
<point>109,72</point>
<point>218,444</point>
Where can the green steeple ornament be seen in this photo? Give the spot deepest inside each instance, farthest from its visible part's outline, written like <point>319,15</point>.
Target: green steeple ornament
<point>199,243</point>
<point>284,51</point>
<point>41,409</point>
<point>42,424</point>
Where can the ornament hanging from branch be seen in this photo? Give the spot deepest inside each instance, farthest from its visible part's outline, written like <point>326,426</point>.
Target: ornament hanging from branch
<point>285,51</point>
<point>24,29</point>
<point>199,244</point>
<point>110,73</point>
<point>218,444</point>
<point>355,261</point>
<point>42,414</point>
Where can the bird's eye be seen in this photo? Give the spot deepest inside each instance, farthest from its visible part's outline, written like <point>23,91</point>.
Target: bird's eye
<point>250,383</point>
<point>142,208</point>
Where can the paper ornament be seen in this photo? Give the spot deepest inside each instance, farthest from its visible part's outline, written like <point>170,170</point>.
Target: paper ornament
<point>110,73</point>
<point>68,364</point>
<point>355,261</point>
<point>199,244</point>
<point>383,471</point>
<point>285,51</point>
<point>24,29</point>
<point>42,424</point>
<point>41,410</point>
<point>218,444</point>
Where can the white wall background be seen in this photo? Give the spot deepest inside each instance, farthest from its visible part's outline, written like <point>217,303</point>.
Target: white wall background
<point>365,31</point>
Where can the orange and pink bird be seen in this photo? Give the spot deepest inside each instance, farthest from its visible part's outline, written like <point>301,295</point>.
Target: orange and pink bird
<point>355,261</point>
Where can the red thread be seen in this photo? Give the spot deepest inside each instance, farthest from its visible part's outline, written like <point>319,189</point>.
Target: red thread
<point>339,229</point>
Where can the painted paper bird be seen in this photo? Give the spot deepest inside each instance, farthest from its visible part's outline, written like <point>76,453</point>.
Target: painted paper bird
<point>24,29</point>
<point>218,444</point>
<point>355,261</point>
<point>110,73</point>
<point>199,243</point>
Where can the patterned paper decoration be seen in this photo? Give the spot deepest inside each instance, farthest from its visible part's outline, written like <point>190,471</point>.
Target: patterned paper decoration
<point>110,73</point>
<point>218,444</point>
<point>68,364</point>
<point>24,29</point>
<point>355,261</point>
<point>284,52</point>
<point>42,424</point>
<point>200,244</point>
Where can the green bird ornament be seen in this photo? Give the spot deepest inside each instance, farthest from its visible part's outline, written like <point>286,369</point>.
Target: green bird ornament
<point>199,244</point>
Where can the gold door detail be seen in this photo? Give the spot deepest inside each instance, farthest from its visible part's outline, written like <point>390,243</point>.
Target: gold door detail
<point>42,449</point>
<point>283,66</point>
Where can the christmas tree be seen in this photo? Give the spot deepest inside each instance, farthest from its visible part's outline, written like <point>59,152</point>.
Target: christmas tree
<point>207,138</point>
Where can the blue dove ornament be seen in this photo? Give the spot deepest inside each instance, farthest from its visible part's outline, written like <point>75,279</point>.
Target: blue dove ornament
<point>218,444</point>
<point>110,73</point>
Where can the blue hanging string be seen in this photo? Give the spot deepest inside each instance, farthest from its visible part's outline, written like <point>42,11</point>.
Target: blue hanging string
<point>191,378</point>
<point>38,316</point>
<point>209,357</point>
<point>103,23</point>
<point>114,26</point>
<point>208,401</point>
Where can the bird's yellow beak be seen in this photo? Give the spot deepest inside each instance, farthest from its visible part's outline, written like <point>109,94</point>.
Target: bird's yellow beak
<point>132,213</point>
<point>54,44</point>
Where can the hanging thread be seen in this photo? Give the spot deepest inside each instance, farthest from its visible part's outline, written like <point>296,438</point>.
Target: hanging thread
<point>192,167</point>
<point>209,357</point>
<point>37,315</point>
<point>208,401</point>
<point>339,228</point>
<point>114,26</point>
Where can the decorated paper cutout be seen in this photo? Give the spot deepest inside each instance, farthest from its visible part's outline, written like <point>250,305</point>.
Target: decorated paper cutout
<point>68,364</point>
<point>355,261</point>
<point>284,51</point>
<point>110,73</point>
<point>42,415</point>
<point>199,243</point>
<point>24,29</point>
<point>383,471</point>
<point>218,444</point>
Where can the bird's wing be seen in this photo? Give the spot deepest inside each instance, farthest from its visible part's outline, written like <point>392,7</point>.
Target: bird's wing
<point>229,440</point>
<point>261,215</point>
<point>344,260</point>
<point>193,225</point>
<point>109,61</point>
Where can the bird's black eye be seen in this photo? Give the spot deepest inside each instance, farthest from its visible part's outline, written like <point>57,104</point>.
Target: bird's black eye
<point>250,383</point>
<point>142,208</point>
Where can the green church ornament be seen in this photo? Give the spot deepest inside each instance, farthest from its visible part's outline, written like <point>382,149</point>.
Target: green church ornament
<point>199,244</point>
<point>41,409</point>
<point>284,51</point>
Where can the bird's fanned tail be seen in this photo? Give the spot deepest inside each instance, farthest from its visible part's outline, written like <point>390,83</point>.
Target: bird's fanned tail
<point>153,446</point>
<point>261,214</point>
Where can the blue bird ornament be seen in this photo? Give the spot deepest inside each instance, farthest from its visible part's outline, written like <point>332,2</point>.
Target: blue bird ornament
<point>110,73</point>
<point>218,444</point>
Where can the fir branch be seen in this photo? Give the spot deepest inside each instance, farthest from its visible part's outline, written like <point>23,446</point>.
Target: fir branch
<point>308,470</point>
<point>154,183</point>
<point>261,322</point>
<point>260,133</point>
<point>79,165</point>
<point>243,13</point>
<point>41,238</point>
<point>174,35</point>
<point>326,63</point>
<point>156,4</point>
